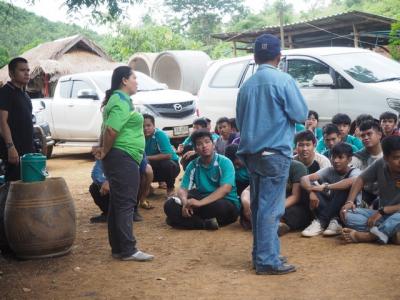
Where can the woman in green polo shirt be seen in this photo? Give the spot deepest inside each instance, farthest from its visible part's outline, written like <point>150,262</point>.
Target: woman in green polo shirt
<point>122,148</point>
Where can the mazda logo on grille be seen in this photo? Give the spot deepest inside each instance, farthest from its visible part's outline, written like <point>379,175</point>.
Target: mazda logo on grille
<point>178,107</point>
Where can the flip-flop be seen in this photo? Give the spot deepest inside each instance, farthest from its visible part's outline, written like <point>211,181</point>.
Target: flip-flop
<point>146,205</point>
<point>349,235</point>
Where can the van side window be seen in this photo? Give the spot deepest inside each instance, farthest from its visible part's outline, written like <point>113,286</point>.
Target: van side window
<point>303,70</point>
<point>229,76</point>
<point>341,82</point>
<point>249,72</point>
<point>65,89</point>
<point>80,85</point>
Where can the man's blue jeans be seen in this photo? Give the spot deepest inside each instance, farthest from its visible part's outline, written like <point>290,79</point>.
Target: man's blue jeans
<point>268,177</point>
<point>388,224</point>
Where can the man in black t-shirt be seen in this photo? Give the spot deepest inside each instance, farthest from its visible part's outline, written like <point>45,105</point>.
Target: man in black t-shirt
<point>15,118</point>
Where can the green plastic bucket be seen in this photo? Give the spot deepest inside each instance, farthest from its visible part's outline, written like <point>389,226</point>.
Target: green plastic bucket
<point>33,167</point>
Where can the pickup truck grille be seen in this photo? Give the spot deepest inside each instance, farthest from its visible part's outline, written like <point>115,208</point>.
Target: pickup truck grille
<point>174,110</point>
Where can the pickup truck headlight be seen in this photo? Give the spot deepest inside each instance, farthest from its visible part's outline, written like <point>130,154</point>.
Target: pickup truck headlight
<point>394,103</point>
<point>143,109</point>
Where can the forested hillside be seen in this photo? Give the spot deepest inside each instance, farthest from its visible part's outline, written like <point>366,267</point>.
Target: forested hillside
<point>22,30</point>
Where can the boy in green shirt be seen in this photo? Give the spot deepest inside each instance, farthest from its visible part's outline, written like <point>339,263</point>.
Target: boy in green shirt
<point>207,197</point>
<point>160,154</point>
<point>342,121</point>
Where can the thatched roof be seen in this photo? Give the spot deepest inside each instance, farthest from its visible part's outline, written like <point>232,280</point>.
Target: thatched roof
<point>64,56</point>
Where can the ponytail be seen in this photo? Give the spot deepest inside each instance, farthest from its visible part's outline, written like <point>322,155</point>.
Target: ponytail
<point>116,81</point>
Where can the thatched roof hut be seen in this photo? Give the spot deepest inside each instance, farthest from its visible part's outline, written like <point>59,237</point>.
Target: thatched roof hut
<point>49,61</point>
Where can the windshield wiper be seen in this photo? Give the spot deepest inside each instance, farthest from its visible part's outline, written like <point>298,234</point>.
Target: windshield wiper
<point>158,89</point>
<point>389,79</point>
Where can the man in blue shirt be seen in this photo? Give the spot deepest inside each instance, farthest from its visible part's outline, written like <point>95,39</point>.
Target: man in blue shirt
<point>269,105</point>
<point>207,197</point>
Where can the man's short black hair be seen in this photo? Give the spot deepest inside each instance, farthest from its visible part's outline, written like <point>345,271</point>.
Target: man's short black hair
<point>388,115</point>
<point>342,149</point>
<point>223,120</point>
<point>314,114</point>
<point>341,119</point>
<point>330,128</point>
<point>232,121</point>
<point>200,122</point>
<point>12,65</point>
<point>230,152</point>
<point>390,144</point>
<point>362,118</point>
<point>199,134</point>
<point>306,135</point>
<point>150,117</point>
<point>208,120</point>
<point>370,124</point>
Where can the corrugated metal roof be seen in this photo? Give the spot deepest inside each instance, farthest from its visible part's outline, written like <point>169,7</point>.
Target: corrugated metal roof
<point>336,21</point>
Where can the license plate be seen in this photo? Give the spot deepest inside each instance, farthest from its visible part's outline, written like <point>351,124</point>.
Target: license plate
<point>181,130</point>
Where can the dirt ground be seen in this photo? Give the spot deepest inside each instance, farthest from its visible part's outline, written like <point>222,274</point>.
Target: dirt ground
<point>192,264</point>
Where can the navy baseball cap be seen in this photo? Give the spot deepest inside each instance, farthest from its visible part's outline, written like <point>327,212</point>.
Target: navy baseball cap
<point>267,47</point>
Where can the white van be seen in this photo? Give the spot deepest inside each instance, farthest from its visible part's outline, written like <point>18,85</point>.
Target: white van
<point>347,80</point>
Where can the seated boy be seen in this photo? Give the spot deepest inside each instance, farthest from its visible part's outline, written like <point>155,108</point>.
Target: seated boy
<point>305,147</point>
<point>297,211</point>
<point>368,225</point>
<point>226,135</point>
<point>312,124</point>
<point>241,174</point>
<point>100,190</point>
<point>207,197</point>
<point>355,125</point>
<point>160,154</point>
<point>342,121</point>
<point>371,135</point>
<point>388,122</point>
<point>331,137</point>
<point>186,149</point>
<point>327,198</point>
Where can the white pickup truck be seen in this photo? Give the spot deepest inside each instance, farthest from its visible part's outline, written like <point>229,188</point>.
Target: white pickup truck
<point>75,118</point>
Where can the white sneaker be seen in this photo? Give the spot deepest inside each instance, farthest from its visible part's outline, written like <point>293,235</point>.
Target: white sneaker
<point>333,228</point>
<point>313,229</point>
<point>139,256</point>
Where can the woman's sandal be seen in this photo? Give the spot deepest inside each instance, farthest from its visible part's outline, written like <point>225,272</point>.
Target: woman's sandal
<point>146,205</point>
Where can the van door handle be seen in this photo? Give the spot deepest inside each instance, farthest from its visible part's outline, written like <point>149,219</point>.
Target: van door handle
<point>70,105</point>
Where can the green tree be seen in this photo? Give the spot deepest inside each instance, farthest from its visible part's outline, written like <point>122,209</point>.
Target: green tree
<point>202,17</point>
<point>4,57</point>
<point>394,43</point>
<point>102,10</point>
<point>150,38</point>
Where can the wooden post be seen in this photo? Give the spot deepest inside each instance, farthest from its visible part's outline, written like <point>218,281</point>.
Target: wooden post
<point>234,49</point>
<point>290,40</point>
<point>281,29</point>
<point>355,33</point>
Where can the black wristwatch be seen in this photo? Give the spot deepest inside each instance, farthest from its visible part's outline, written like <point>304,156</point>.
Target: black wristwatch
<point>9,145</point>
<point>381,210</point>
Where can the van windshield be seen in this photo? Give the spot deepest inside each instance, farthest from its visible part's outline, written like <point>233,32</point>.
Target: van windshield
<point>368,67</point>
<point>145,83</point>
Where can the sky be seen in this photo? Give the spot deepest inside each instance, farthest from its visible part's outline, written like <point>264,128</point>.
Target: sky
<point>55,11</point>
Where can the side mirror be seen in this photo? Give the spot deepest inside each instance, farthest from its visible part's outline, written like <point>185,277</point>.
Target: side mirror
<point>322,80</point>
<point>43,104</point>
<point>87,94</point>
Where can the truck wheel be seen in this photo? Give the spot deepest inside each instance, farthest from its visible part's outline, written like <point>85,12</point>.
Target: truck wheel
<point>49,151</point>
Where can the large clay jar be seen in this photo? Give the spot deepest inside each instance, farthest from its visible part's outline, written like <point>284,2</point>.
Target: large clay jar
<point>40,218</point>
